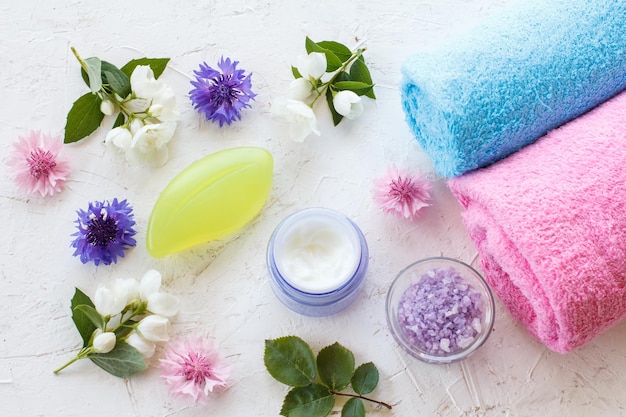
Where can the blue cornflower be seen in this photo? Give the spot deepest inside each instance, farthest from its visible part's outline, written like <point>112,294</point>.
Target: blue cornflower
<point>221,95</point>
<point>105,231</point>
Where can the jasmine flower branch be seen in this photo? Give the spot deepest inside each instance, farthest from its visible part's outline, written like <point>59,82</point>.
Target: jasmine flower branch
<point>325,85</point>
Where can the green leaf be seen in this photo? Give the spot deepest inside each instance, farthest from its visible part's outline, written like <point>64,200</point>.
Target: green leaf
<point>358,87</point>
<point>119,120</point>
<point>290,360</point>
<point>331,106</point>
<point>158,65</point>
<point>113,79</point>
<point>353,408</point>
<point>122,332</point>
<point>83,118</point>
<point>91,313</point>
<point>360,72</point>
<point>342,76</point>
<point>83,324</point>
<point>332,61</point>
<point>93,73</point>
<point>311,46</point>
<point>295,72</point>
<point>85,76</point>
<point>335,364</point>
<point>311,401</point>
<point>365,378</point>
<point>340,50</point>
<point>117,80</point>
<point>125,329</point>
<point>123,361</point>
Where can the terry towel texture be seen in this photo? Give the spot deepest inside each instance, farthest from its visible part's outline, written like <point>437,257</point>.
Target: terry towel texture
<point>509,81</point>
<point>549,223</point>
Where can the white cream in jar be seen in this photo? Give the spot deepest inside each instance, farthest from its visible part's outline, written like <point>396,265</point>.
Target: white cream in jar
<point>317,259</point>
<point>318,253</point>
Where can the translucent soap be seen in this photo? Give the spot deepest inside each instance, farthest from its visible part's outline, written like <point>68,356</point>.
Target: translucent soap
<point>211,198</point>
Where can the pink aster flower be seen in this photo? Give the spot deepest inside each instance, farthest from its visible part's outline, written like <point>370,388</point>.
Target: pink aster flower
<point>37,166</point>
<point>401,193</point>
<point>193,368</point>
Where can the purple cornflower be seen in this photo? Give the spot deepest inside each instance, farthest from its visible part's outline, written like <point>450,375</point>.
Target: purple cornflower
<point>221,95</point>
<point>105,231</point>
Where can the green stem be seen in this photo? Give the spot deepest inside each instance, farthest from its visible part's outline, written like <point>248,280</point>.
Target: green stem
<point>80,60</point>
<point>345,394</point>
<point>320,91</point>
<point>82,354</point>
<point>120,104</point>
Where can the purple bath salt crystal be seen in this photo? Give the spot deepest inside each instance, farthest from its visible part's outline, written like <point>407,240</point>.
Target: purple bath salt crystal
<point>441,313</point>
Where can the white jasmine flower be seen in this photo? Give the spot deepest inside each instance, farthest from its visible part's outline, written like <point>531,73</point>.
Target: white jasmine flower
<point>107,107</point>
<point>163,304</point>
<point>144,84</point>
<point>145,347</point>
<point>300,89</point>
<point>348,104</point>
<point>159,303</point>
<point>165,105</point>
<point>109,302</point>
<point>151,96</point>
<point>128,286</point>
<point>104,342</point>
<point>312,65</point>
<point>149,145</point>
<point>135,125</point>
<point>154,328</point>
<point>151,119</point>
<point>150,283</point>
<point>155,110</point>
<point>137,104</point>
<point>300,116</point>
<point>119,137</point>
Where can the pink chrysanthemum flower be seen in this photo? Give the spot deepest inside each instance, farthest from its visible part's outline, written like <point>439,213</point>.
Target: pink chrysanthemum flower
<point>193,368</point>
<point>36,164</point>
<point>399,192</point>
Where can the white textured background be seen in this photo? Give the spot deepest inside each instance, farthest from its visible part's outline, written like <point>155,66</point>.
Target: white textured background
<point>223,284</point>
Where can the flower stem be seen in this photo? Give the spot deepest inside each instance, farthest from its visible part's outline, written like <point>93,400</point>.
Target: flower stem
<point>80,60</point>
<point>82,354</point>
<point>345,394</point>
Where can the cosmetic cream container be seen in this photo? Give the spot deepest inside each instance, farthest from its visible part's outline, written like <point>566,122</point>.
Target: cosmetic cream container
<point>317,260</point>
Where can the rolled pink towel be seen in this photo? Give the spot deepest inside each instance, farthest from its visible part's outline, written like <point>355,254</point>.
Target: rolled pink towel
<point>549,223</point>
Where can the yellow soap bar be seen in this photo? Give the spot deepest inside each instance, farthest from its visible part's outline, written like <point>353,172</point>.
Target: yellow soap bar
<point>209,199</point>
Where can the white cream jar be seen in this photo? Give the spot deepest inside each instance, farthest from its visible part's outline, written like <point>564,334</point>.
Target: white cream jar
<point>317,259</point>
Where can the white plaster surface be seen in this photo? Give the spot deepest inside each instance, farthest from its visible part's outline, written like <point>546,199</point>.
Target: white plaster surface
<point>224,284</point>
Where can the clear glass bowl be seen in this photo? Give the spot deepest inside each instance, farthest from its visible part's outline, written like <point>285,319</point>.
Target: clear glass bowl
<point>440,310</point>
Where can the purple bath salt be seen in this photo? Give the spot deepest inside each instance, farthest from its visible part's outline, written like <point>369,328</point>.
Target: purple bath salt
<point>441,313</point>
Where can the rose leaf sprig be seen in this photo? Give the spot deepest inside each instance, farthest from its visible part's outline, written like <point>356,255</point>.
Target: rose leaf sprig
<point>330,70</point>
<point>122,324</point>
<point>145,107</point>
<point>316,381</point>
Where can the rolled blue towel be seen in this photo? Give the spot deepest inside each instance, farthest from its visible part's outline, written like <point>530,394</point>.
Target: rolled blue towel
<point>509,81</point>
